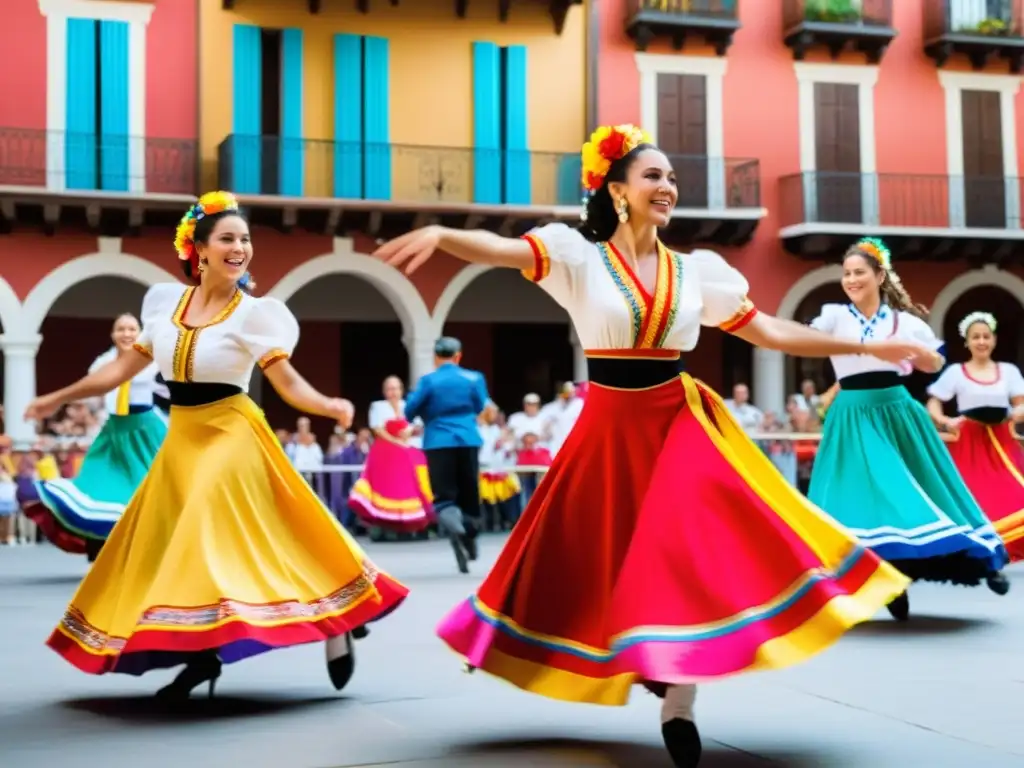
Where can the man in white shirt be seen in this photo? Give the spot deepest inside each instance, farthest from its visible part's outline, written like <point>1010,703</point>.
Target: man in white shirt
<point>749,416</point>
<point>560,415</point>
<point>530,420</point>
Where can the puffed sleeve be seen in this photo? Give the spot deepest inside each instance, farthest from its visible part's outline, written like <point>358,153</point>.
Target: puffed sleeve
<point>156,304</point>
<point>270,332</point>
<point>1014,380</point>
<point>723,292</point>
<point>559,257</point>
<point>826,319</point>
<point>380,411</point>
<point>944,388</point>
<point>913,328</point>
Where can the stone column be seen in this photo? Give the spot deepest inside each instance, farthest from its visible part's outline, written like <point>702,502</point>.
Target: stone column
<point>19,385</point>
<point>769,385</point>
<point>421,357</point>
<point>579,357</point>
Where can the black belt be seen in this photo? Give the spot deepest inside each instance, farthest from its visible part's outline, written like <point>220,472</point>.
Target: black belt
<point>987,414</point>
<point>871,380</point>
<point>136,409</point>
<point>200,392</point>
<point>633,373</point>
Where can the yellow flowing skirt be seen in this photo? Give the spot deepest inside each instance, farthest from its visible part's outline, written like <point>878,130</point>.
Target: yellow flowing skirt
<point>224,546</point>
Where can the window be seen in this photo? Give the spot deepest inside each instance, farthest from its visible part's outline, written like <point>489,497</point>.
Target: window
<point>362,136</point>
<point>502,166</point>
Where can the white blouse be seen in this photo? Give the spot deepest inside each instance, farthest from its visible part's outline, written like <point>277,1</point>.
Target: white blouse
<point>248,331</point>
<point>609,307</point>
<point>844,322</point>
<point>139,391</point>
<point>381,412</point>
<point>971,393</point>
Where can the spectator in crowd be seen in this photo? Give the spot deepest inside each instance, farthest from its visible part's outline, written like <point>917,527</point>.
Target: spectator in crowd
<point>354,452</point>
<point>781,452</point>
<point>308,456</point>
<point>807,399</point>
<point>748,415</point>
<point>529,420</point>
<point>531,453</point>
<point>500,492</point>
<point>560,415</point>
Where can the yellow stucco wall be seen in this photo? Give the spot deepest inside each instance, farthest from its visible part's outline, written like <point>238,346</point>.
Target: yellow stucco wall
<point>430,70</point>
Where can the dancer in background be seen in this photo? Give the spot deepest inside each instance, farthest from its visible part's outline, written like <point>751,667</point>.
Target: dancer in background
<point>500,490</point>
<point>989,401</point>
<point>224,552</point>
<point>78,514</point>
<point>393,491</point>
<point>881,469</point>
<point>662,547</point>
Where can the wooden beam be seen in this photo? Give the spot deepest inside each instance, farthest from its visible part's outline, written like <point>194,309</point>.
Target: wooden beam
<point>503,9</point>
<point>314,6</point>
<point>460,8</point>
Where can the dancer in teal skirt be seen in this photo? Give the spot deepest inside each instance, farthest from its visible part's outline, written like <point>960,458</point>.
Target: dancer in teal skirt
<point>77,515</point>
<point>882,469</point>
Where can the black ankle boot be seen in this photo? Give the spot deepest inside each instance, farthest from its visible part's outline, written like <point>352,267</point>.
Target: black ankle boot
<point>682,740</point>
<point>205,667</point>
<point>899,608</point>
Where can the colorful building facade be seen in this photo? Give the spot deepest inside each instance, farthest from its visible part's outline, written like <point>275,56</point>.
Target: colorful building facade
<point>894,119</point>
<point>337,125</point>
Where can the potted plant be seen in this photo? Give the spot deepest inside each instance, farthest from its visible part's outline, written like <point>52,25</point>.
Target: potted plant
<point>832,11</point>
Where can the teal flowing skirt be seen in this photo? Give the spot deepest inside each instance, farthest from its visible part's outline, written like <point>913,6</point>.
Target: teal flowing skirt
<point>883,472</point>
<point>87,507</point>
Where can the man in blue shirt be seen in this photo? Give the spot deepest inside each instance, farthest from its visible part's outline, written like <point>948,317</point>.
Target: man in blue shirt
<point>448,400</point>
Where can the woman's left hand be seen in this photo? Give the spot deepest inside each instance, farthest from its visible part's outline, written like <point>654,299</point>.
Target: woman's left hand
<point>341,411</point>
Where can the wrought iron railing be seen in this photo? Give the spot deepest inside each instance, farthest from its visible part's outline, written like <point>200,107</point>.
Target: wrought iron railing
<point>271,165</point>
<point>710,9</point>
<point>87,161</point>
<point>875,13</point>
<point>978,18</point>
<point>901,200</point>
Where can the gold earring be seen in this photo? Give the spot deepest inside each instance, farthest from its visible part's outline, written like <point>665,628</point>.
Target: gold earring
<point>202,265</point>
<point>623,209</point>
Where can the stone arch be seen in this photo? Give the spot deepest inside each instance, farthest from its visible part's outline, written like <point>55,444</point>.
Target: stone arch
<point>396,287</point>
<point>10,310</point>
<point>961,284</point>
<point>801,289</point>
<point>455,288</point>
<point>44,295</point>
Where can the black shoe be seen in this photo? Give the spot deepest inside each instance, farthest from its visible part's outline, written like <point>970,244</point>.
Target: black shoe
<point>461,557</point>
<point>361,632</point>
<point>998,583</point>
<point>92,549</point>
<point>682,740</point>
<point>469,544</point>
<point>899,608</point>
<point>341,668</point>
<point>202,669</point>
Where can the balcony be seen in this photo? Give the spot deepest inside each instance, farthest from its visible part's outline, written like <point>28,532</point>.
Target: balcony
<point>558,9</point>
<point>838,25</point>
<point>386,189</point>
<point>112,183</point>
<point>978,29</point>
<point>714,21</point>
<point>921,217</point>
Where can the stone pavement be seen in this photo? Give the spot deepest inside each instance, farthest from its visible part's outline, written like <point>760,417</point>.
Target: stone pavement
<point>944,691</point>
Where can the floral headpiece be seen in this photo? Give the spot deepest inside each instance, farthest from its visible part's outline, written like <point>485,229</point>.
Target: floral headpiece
<point>877,250</point>
<point>976,317</point>
<point>207,205</point>
<point>608,144</point>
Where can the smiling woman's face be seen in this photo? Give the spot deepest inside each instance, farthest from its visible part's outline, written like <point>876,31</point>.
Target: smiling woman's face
<point>228,251</point>
<point>650,188</point>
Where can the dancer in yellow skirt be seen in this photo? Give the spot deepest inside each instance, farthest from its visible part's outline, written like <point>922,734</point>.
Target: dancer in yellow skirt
<point>225,551</point>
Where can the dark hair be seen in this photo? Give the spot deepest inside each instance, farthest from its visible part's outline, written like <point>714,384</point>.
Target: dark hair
<point>122,315</point>
<point>892,290</point>
<point>204,228</point>
<point>602,218</point>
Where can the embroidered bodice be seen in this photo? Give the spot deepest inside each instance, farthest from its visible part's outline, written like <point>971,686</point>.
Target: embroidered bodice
<point>249,331</point>
<point>845,322</point>
<point>609,307</point>
<point>138,392</point>
<point>970,393</point>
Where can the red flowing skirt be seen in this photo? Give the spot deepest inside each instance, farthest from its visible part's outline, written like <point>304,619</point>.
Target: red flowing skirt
<point>991,462</point>
<point>394,490</point>
<point>663,547</point>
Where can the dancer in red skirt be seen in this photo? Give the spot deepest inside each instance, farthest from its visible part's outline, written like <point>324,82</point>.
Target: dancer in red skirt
<point>662,547</point>
<point>990,401</point>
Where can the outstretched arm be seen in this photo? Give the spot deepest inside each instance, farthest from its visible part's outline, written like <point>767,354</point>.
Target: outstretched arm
<point>795,339</point>
<point>109,377</point>
<point>473,246</point>
<point>303,396</point>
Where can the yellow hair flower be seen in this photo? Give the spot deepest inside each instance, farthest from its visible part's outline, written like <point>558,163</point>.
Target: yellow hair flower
<point>608,144</point>
<point>207,205</point>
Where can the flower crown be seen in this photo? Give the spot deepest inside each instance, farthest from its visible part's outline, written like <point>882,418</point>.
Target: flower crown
<point>608,144</point>
<point>877,250</point>
<point>976,317</point>
<point>207,205</point>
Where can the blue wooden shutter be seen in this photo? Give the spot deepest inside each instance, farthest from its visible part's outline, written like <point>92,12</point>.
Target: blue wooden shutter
<point>518,189</point>
<point>376,123</point>
<point>348,116</point>
<point>80,101</point>
<point>486,124</point>
<point>114,139</point>
<point>292,155</point>
<point>246,121</point>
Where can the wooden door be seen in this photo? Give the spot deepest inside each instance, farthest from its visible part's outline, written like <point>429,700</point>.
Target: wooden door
<point>837,153</point>
<point>984,186</point>
<point>683,134</point>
